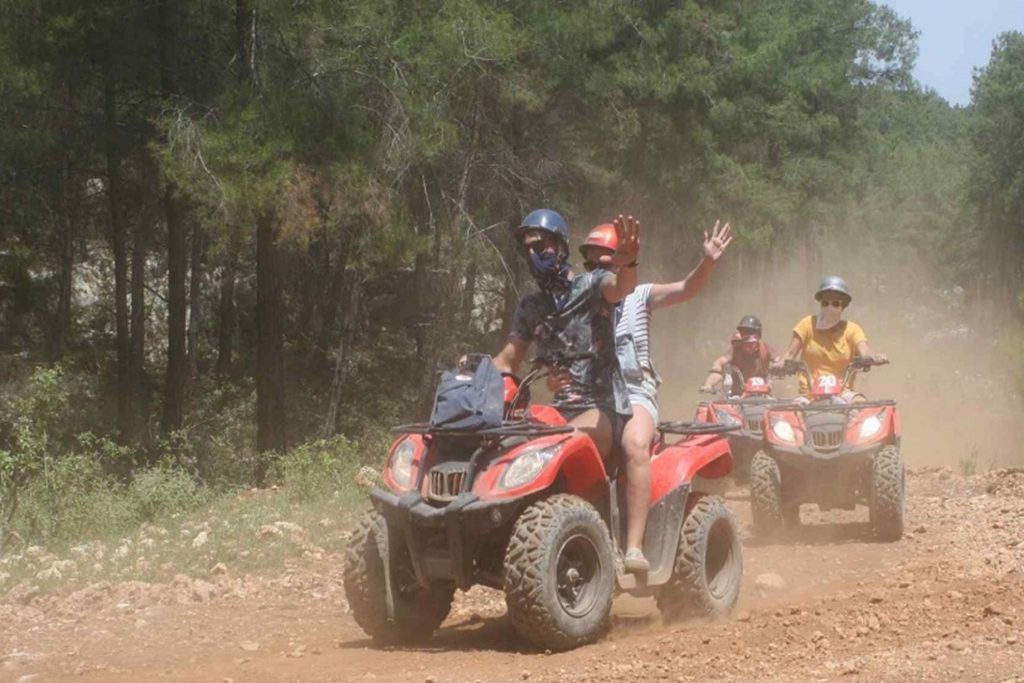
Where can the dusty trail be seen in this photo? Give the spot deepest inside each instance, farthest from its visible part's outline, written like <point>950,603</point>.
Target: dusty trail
<point>945,603</point>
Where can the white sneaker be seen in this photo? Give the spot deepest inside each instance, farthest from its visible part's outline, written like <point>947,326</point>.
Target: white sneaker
<point>635,562</point>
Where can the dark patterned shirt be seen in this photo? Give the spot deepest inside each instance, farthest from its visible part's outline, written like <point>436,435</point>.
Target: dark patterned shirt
<point>580,322</point>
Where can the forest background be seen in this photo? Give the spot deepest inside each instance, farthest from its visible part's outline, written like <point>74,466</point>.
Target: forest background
<point>238,240</point>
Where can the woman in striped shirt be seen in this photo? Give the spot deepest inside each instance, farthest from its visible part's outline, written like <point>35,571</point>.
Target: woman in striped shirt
<point>632,337</point>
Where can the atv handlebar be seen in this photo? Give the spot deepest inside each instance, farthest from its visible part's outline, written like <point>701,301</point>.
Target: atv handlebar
<point>795,367</point>
<point>562,360</point>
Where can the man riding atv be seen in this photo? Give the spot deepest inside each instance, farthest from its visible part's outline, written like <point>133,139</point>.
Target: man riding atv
<point>573,313</point>
<point>827,343</point>
<point>747,354</point>
<point>499,491</point>
<point>634,352</point>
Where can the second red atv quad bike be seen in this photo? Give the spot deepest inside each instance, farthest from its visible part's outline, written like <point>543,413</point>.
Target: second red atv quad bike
<point>832,453</point>
<point>745,413</point>
<point>530,508</point>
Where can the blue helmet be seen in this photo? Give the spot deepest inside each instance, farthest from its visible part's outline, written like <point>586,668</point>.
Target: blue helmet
<point>544,219</point>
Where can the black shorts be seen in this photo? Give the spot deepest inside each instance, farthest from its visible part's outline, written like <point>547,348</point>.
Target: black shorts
<point>617,420</point>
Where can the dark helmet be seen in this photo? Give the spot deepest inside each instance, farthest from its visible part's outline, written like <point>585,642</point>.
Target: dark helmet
<point>544,219</point>
<point>751,323</point>
<point>833,284</point>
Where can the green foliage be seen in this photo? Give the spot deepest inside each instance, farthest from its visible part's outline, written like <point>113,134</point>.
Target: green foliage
<point>997,174</point>
<point>322,469</point>
<point>969,464</point>
<point>32,425</point>
<point>162,492</point>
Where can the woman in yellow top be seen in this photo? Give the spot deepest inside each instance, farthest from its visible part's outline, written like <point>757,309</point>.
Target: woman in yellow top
<point>826,342</point>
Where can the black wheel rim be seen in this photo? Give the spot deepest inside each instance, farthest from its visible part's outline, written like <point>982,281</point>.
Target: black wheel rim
<point>719,559</point>
<point>577,573</point>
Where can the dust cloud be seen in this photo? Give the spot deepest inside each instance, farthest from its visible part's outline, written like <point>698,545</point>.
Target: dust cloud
<point>953,382</point>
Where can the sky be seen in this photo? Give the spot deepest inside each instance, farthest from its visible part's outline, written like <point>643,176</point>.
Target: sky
<point>956,36</point>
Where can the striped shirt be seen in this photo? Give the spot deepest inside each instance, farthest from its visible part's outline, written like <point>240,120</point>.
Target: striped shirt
<point>634,318</point>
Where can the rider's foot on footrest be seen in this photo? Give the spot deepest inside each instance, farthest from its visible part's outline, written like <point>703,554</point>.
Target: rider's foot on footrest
<point>635,562</point>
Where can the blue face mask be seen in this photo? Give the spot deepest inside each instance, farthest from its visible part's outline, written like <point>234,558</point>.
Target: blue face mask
<point>551,271</point>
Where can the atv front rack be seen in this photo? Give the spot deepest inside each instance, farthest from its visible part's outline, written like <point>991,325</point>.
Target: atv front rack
<point>517,428</point>
<point>696,428</point>
<point>750,401</point>
<point>831,407</point>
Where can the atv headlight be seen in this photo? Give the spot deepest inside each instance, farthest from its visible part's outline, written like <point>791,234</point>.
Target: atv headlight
<point>725,418</point>
<point>527,466</point>
<point>783,431</point>
<point>870,426</point>
<point>401,463</point>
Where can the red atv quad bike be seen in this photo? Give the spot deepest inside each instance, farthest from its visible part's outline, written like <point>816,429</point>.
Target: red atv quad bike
<point>832,453</point>
<point>530,508</point>
<point>743,411</point>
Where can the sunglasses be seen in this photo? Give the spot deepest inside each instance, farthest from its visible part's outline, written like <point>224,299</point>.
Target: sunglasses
<point>535,247</point>
<point>835,303</point>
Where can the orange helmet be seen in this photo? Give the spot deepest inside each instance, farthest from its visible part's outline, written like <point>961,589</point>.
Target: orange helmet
<point>603,235</point>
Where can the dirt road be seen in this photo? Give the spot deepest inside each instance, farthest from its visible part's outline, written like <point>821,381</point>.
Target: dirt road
<point>945,603</point>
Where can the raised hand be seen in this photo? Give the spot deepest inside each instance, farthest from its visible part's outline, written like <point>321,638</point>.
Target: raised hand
<point>716,243</point>
<point>628,229</point>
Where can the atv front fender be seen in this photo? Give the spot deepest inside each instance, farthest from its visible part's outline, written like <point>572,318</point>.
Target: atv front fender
<point>576,464</point>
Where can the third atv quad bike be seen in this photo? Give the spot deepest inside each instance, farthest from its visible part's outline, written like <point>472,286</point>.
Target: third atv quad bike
<point>832,453</point>
<point>744,412</point>
<point>530,508</point>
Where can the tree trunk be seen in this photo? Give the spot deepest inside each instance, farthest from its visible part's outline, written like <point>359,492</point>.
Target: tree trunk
<point>69,217</point>
<point>177,256</point>
<point>226,315</point>
<point>245,39</point>
<point>118,242</point>
<point>195,318</point>
<point>344,352</point>
<point>270,398</point>
<point>140,247</point>
<point>177,363</point>
<point>319,359</point>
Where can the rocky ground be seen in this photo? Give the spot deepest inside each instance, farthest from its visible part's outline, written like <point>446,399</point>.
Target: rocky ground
<point>945,603</point>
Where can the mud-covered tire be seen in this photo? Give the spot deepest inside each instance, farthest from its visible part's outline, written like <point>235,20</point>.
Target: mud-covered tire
<point>888,494</point>
<point>766,495</point>
<point>418,611</point>
<point>559,573</point>
<point>708,568</point>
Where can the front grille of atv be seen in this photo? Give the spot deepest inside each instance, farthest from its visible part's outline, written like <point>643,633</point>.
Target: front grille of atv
<point>755,426</point>
<point>446,482</point>
<point>827,441</point>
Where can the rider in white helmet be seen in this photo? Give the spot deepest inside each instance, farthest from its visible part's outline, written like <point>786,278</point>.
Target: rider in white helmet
<point>827,342</point>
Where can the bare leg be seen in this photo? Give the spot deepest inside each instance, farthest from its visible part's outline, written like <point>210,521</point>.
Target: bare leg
<point>636,442</point>
<point>598,427</point>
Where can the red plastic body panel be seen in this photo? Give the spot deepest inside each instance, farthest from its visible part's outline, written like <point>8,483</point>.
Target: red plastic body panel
<point>511,388</point>
<point>679,462</point>
<point>547,415</point>
<point>577,461</point>
<point>756,386</point>
<point>887,431</point>
<point>825,386</point>
<point>788,416</point>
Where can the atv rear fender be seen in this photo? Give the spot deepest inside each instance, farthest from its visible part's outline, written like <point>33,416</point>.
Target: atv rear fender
<point>678,463</point>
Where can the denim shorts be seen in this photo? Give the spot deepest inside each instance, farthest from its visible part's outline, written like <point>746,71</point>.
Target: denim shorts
<point>644,394</point>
